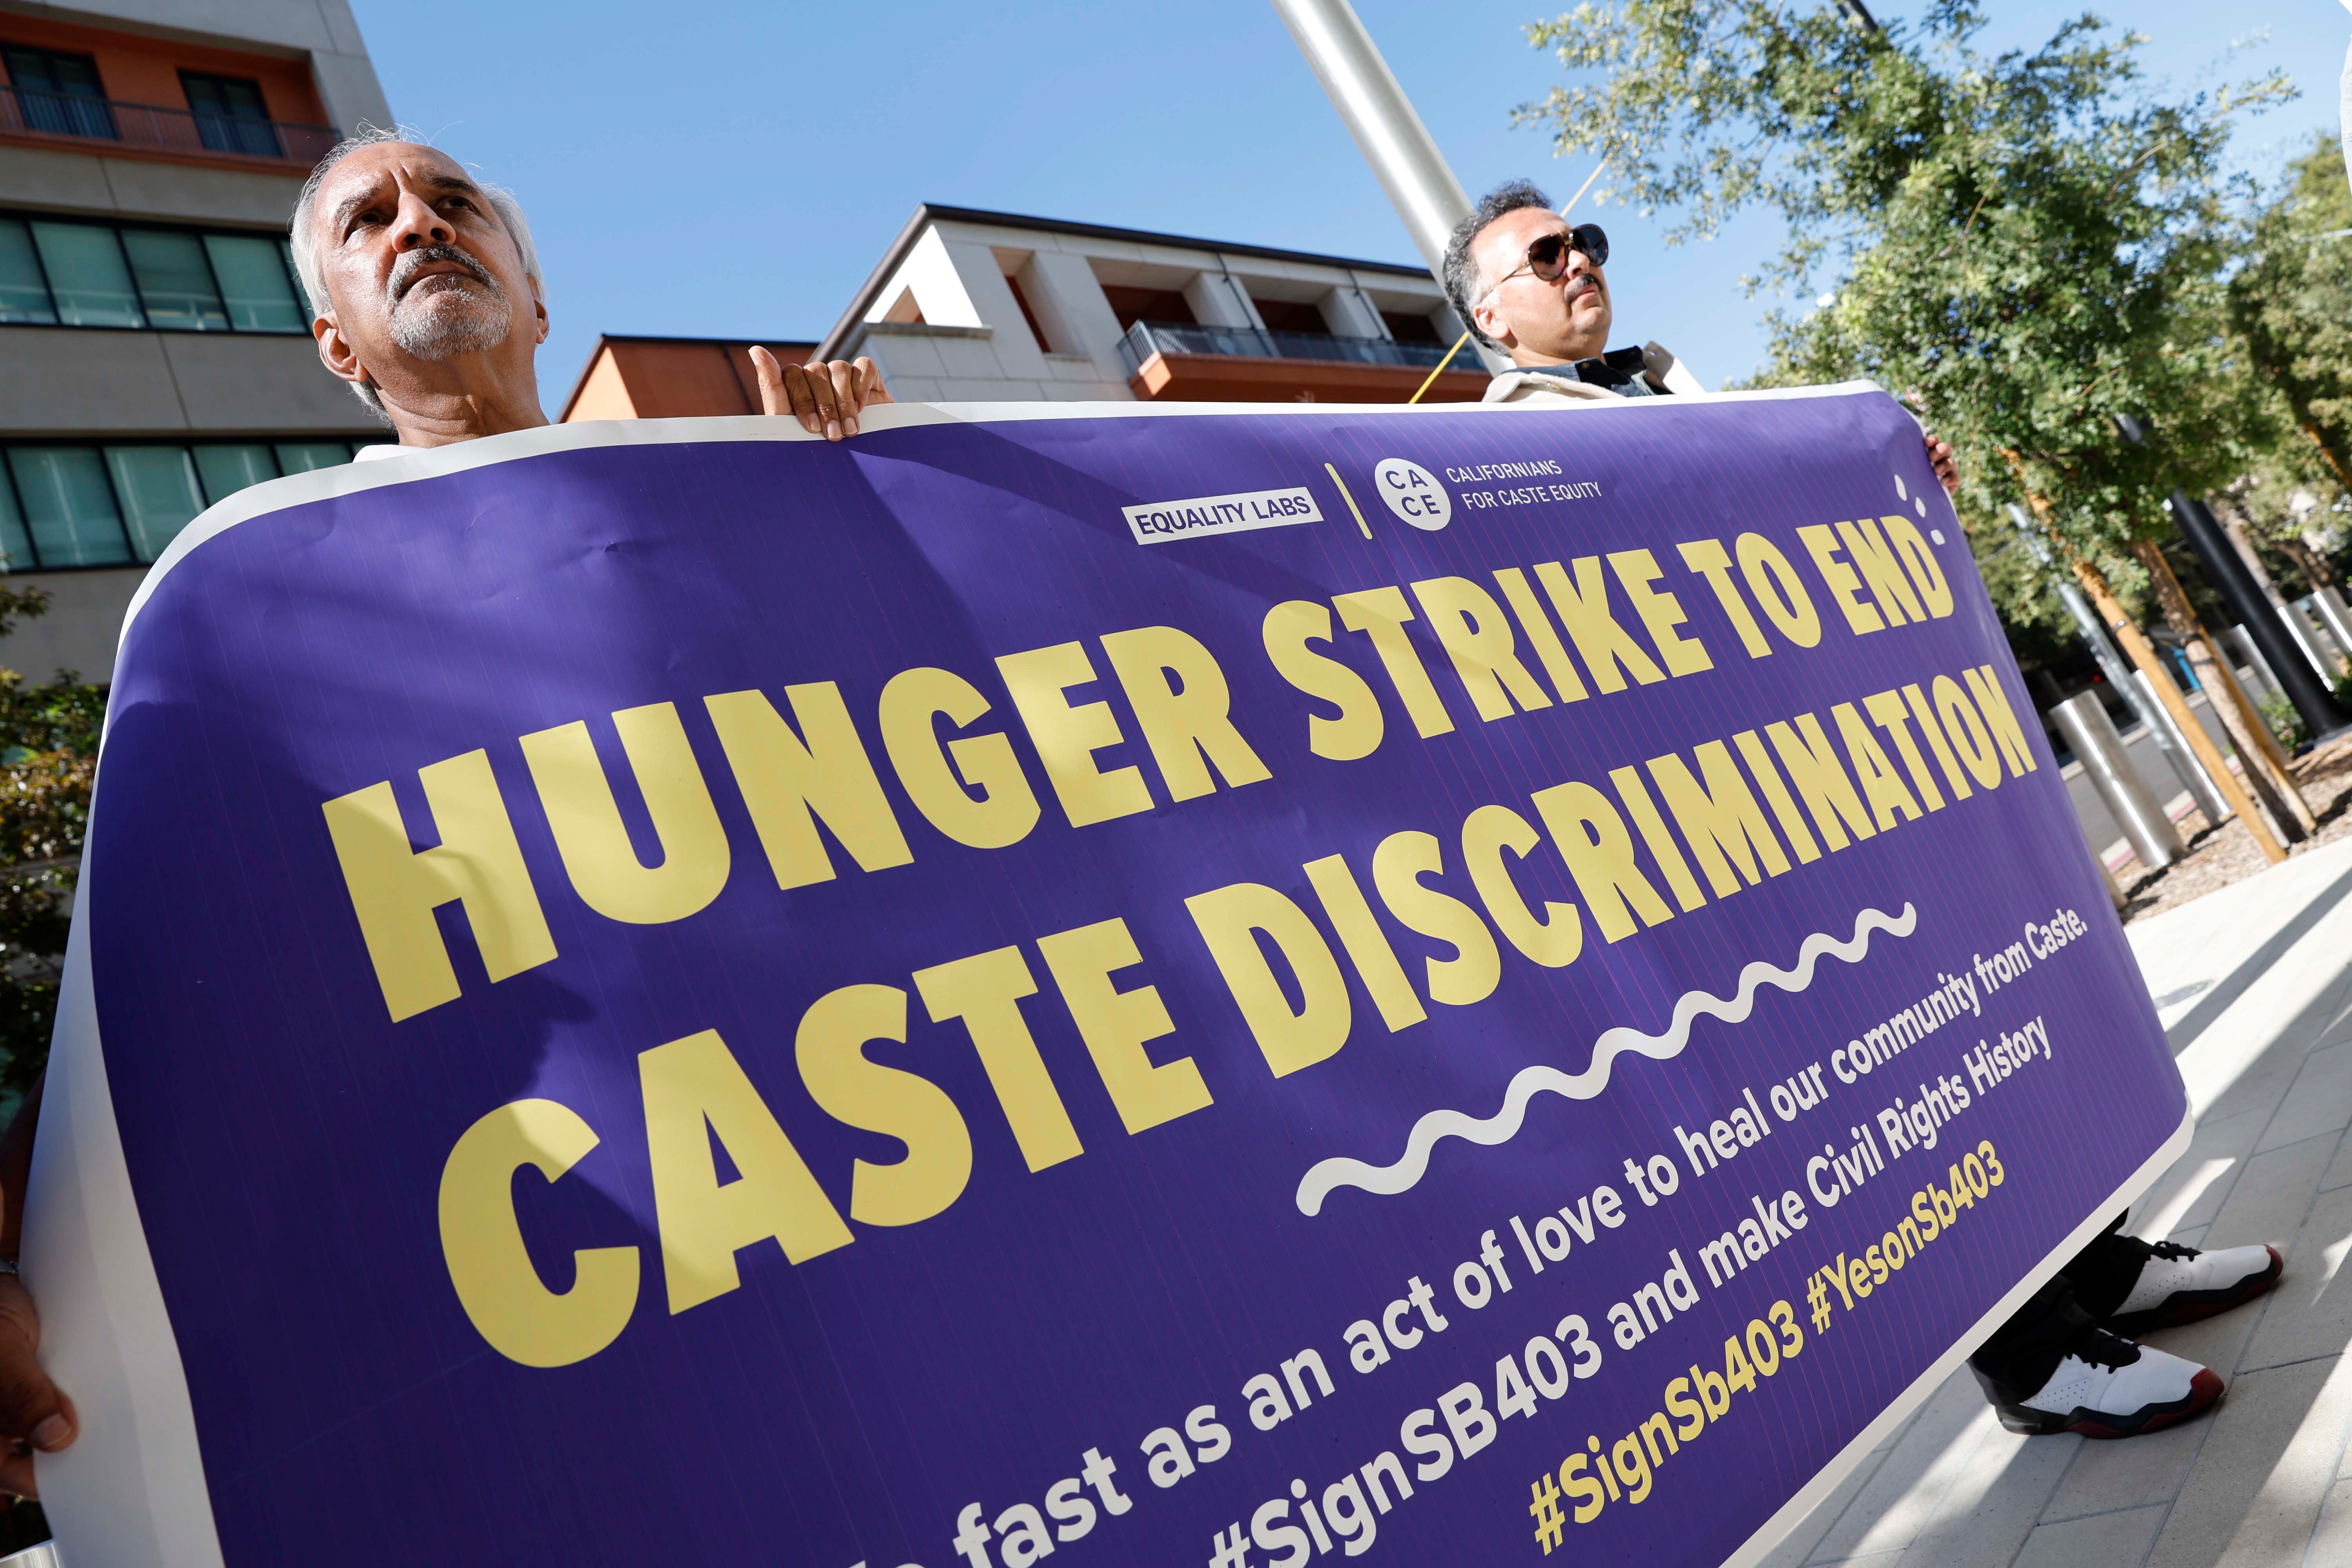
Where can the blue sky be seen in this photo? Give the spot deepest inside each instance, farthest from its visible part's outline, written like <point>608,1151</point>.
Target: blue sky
<point>735,170</point>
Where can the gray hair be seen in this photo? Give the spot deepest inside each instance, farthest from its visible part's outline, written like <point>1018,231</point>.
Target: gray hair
<point>304,245</point>
<point>1465,283</point>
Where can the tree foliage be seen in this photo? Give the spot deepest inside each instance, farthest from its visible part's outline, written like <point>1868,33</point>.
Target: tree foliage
<point>2021,245</point>
<point>48,752</point>
<point>2291,304</point>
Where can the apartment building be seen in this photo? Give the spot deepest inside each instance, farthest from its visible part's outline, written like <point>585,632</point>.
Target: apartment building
<point>966,306</point>
<point>969,306</point>
<point>668,378</point>
<point>156,355</point>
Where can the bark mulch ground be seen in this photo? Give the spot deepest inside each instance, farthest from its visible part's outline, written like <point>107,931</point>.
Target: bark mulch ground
<point>2219,857</point>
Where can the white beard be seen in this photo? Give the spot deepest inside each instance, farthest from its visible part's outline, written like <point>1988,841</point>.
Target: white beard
<point>447,322</point>
<point>438,321</point>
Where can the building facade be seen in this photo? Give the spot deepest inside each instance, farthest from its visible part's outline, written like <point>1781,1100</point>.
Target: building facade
<point>969,306</point>
<point>668,378</point>
<point>155,353</point>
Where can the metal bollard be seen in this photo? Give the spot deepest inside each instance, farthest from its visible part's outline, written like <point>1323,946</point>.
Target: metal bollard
<point>2092,735</point>
<point>2300,632</point>
<point>2134,688</point>
<point>2318,636</point>
<point>2328,608</point>
<point>2238,646</point>
<point>2175,745</point>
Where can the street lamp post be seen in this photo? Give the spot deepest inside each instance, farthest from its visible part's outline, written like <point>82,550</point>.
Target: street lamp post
<point>1387,131</point>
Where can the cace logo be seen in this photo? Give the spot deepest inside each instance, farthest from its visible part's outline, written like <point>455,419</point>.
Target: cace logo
<point>1413,493</point>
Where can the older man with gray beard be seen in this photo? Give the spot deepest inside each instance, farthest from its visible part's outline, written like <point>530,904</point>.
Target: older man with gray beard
<point>426,297</point>
<point>426,294</point>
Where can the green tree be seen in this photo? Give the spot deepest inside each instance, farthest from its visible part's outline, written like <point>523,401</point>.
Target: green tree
<point>48,752</point>
<point>2040,630</point>
<point>2291,306</point>
<point>2020,246</point>
<point>2294,509</point>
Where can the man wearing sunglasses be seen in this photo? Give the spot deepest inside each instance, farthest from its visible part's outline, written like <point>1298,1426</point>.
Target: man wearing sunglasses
<point>1531,284</point>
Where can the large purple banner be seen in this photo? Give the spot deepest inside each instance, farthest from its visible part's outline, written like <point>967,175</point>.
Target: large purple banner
<point>1224,989</point>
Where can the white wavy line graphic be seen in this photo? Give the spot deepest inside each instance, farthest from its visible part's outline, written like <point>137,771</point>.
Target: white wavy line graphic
<point>1387,1181</point>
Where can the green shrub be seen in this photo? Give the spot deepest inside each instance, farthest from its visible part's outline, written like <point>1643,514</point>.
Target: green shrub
<point>49,749</point>
<point>2285,721</point>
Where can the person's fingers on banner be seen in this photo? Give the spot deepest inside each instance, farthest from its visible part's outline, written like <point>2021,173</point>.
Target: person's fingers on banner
<point>849,396</point>
<point>795,392</point>
<point>34,1417</point>
<point>1948,467</point>
<point>812,390</point>
<point>772,380</point>
<point>783,390</point>
<point>870,377</point>
<point>824,397</point>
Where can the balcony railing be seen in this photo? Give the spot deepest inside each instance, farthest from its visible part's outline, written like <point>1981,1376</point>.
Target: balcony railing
<point>1145,339</point>
<point>34,113</point>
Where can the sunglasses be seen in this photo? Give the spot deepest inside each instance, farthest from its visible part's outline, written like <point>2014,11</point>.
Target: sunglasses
<point>1548,256</point>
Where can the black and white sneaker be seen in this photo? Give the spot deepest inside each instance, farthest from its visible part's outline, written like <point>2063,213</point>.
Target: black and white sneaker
<point>2110,1387</point>
<point>2180,1285</point>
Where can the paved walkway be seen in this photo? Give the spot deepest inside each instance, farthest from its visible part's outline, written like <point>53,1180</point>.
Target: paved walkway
<point>2255,986</point>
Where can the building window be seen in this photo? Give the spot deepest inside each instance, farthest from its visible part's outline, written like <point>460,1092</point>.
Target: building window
<point>1133,305</point>
<point>225,469</point>
<point>24,291</point>
<point>169,279</point>
<point>88,280</point>
<point>63,506</point>
<point>301,457</point>
<point>68,506</point>
<point>158,493</point>
<point>230,115</point>
<point>57,93</point>
<point>1291,316</point>
<point>175,281</point>
<point>255,282</point>
<point>1410,328</point>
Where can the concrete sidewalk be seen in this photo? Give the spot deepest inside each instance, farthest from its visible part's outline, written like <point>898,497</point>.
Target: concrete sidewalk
<point>2255,986</point>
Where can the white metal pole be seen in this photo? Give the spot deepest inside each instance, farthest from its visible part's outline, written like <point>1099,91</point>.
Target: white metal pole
<point>2120,788</point>
<point>1387,131</point>
<point>2344,105</point>
<point>2137,693</point>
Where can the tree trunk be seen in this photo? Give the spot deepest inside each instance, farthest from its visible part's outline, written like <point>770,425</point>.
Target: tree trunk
<point>2234,523</point>
<point>2137,648</point>
<point>2276,762</point>
<point>2309,562</point>
<point>2266,768</point>
<point>2327,454</point>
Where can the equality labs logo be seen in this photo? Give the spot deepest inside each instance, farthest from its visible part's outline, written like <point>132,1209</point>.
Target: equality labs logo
<point>1158,522</point>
